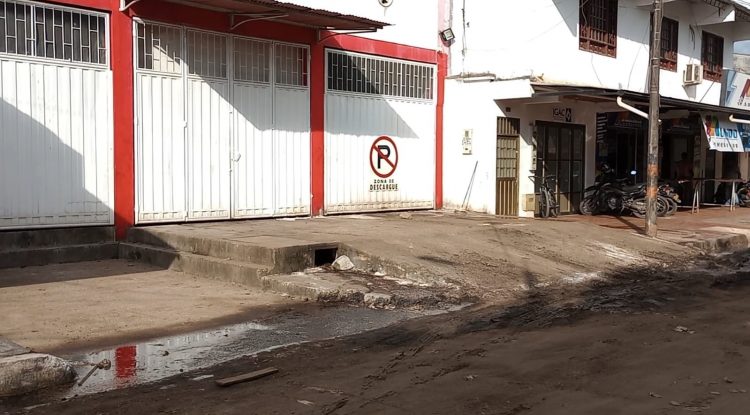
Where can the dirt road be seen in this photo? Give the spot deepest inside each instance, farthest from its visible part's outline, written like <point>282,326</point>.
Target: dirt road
<point>648,341</point>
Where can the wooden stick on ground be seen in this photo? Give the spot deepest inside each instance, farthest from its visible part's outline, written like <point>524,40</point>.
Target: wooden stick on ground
<point>246,377</point>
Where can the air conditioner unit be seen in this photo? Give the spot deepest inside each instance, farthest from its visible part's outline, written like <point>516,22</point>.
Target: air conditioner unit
<point>693,74</point>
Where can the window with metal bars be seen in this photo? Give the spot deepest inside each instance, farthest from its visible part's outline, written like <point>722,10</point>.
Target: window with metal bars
<point>159,48</point>
<point>252,60</point>
<point>370,75</point>
<point>52,32</point>
<point>206,54</point>
<point>712,56</point>
<point>598,26</point>
<point>291,65</point>
<point>669,35</point>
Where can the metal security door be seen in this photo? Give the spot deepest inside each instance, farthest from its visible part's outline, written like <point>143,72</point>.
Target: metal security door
<point>506,190</point>
<point>56,136</point>
<point>291,130</point>
<point>561,154</point>
<point>160,126</point>
<point>208,126</point>
<point>222,126</point>
<point>271,144</point>
<point>369,98</point>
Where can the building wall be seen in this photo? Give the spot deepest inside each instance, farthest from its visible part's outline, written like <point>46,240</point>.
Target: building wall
<point>468,106</point>
<point>492,38</point>
<point>413,35</point>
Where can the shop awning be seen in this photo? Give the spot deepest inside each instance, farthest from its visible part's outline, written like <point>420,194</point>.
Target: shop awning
<point>720,125</point>
<point>290,13</point>
<point>595,94</point>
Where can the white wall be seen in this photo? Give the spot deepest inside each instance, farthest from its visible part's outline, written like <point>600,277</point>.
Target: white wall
<point>412,22</point>
<point>467,106</point>
<point>495,38</point>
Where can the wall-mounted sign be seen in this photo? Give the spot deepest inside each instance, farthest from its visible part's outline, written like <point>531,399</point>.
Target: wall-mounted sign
<point>562,114</point>
<point>383,162</point>
<point>466,141</point>
<point>724,135</point>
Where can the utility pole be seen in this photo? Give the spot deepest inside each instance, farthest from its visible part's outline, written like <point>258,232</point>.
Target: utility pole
<point>652,171</point>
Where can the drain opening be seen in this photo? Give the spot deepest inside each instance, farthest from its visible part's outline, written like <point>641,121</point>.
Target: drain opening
<point>325,256</point>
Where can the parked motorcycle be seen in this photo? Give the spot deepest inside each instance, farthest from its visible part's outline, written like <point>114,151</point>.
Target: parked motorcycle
<point>610,195</point>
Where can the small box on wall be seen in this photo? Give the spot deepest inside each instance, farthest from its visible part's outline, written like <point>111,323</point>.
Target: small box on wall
<point>529,202</point>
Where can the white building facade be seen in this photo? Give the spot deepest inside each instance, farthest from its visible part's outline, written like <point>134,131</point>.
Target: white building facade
<point>533,88</point>
<point>127,112</point>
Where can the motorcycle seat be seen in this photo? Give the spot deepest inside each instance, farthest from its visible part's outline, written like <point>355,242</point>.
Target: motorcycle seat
<point>632,188</point>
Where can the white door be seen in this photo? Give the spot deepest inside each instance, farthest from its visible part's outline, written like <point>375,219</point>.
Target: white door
<point>55,117</point>
<point>160,128</point>
<point>271,173</point>
<point>209,126</point>
<point>220,138</point>
<point>380,134</point>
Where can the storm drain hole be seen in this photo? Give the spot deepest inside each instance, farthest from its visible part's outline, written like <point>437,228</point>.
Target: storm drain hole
<point>325,256</point>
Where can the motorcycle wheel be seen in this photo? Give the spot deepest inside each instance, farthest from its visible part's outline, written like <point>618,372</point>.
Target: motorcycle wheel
<point>586,207</point>
<point>662,206</point>
<point>672,206</point>
<point>638,207</point>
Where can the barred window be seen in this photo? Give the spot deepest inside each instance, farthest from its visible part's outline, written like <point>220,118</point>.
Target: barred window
<point>207,54</point>
<point>669,33</point>
<point>598,26</point>
<point>252,60</point>
<point>52,32</point>
<point>159,48</point>
<point>712,56</point>
<point>370,75</point>
<point>291,65</point>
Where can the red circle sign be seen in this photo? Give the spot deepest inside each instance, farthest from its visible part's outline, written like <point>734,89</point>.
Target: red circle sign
<point>383,157</point>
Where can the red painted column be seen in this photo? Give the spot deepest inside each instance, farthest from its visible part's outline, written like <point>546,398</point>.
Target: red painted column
<point>122,77</point>
<point>317,127</point>
<point>442,69</point>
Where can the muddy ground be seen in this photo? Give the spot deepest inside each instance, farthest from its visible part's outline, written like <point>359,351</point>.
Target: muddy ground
<point>656,340</point>
<point>60,307</point>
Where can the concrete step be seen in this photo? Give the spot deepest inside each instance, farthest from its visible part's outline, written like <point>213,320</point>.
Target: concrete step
<point>279,259</point>
<point>239,272</point>
<point>35,256</point>
<point>45,238</point>
<point>324,287</point>
<point>184,242</point>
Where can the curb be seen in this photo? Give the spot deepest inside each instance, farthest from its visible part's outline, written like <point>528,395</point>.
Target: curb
<point>721,244</point>
<point>23,372</point>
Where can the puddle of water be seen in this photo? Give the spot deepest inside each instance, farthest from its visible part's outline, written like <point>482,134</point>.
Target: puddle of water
<point>168,356</point>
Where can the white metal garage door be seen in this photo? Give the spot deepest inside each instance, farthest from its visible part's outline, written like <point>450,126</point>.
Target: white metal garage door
<point>55,117</point>
<point>224,132</point>
<point>380,134</point>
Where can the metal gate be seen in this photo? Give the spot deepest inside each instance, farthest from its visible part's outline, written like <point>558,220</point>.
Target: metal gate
<point>506,190</point>
<point>560,153</point>
<point>380,134</point>
<point>223,126</point>
<point>56,132</point>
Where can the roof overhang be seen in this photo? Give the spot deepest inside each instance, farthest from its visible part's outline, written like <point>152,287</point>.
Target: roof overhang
<point>594,94</point>
<point>284,12</point>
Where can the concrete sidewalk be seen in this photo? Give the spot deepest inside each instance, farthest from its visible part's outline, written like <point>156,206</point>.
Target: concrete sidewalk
<point>474,254</point>
<point>712,230</point>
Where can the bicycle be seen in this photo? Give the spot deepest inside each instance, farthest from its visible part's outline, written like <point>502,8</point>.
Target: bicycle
<point>547,203</point>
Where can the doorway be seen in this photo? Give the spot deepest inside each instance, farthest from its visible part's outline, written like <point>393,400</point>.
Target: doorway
<point>506,187</point>
<point>560,153</point>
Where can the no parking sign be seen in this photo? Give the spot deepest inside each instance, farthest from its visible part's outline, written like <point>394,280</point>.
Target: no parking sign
<point>383,162</point>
